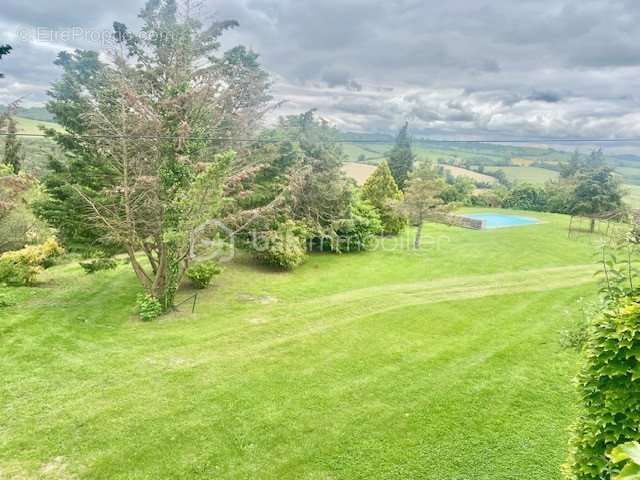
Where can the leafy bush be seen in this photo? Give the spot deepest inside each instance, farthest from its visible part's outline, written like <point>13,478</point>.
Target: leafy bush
<point>629,454</point>
<point>358,232</point>
<point>525,196</point>
<point>35,255</point>
<point>98,265</point>
<point>609,392</point>
<point>201,273</point>
<point>16,274</point>
<point>149,307</point>
<point>284,247</point>
<point>21,267</point>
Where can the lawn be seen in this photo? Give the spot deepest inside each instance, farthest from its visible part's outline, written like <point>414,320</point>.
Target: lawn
<point>442,363</point>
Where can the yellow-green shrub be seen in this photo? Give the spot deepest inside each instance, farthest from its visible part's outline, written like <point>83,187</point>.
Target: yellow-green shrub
<point>35,255</point>
<point>21,267</point>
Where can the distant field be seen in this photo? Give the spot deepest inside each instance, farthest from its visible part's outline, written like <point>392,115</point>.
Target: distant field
<point>472,153</point>
<point>633,195</point>
<point>37,149</point>
<point>630,175</point>
<point>369,152</point>
<point>358,171</point>
<point>463,172</point>
<point>31,127</point>
<point>535,175</point>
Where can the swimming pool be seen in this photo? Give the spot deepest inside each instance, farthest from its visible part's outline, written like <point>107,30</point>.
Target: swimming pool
<point>497,220</point>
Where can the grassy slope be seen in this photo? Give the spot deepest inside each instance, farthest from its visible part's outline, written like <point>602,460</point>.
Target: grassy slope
<point>37,150</point>
<point>463,172</point>
<point>30,126</point>
<point>537,176</point>
<point>436,364</point>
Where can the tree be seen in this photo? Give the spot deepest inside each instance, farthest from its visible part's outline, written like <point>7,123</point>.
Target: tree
<point>423,198</point>
<point>597,190</point>
<point>4,50</point>
<point>319,193</point>
<point>150,176</point>
<point>401,157</point>
<point>380,190</point>
<point>525,196</point>
<point>459,190</point>
<point>70,103</point>
<point>13,152</point>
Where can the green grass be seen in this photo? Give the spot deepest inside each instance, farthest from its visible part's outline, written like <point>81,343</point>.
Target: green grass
<point>440,363</point>
<point>30,126</point>
<point>470,153</point>
<point>534,175</point>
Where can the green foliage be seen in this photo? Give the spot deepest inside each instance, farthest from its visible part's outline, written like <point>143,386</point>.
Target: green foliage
<point>17,274</point>
<point>13,151</point>
<point>318,192</point>
<point>423,198</point>
<point>597,190</point>
<point>149,307</point>
<point>202,273</point>
<point>18,225</point>
<point>98,265</point>
<point>459,191</point>
<point>35,255</point>
<point>629,455</point>
<point>358,232</point>
<point>283,247</point>
<point>82,171</point>
<point>21,267</point>
<point>525,196</point>
<point>401,157</point>
<point>381,191</point>
<point>609,391</point>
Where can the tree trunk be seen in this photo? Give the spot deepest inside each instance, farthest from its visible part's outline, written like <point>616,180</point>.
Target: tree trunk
<point>592,227</point>
<point>416,244</point>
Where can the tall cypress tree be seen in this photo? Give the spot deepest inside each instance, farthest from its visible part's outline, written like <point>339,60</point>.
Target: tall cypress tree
<point>401,157</point>
<point>13,154</point>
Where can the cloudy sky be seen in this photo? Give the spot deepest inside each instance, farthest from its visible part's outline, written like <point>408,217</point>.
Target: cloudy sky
<point>453,69</point>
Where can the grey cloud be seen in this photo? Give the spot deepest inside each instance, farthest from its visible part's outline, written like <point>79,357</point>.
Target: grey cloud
<point>545,96</point>
<point>488,67</point>
<point>340,78</point>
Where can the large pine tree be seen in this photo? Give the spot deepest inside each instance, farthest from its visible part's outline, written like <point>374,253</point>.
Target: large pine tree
<point>401,157</point>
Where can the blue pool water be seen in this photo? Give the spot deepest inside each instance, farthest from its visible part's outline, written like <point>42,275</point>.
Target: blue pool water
<point>496,220</point>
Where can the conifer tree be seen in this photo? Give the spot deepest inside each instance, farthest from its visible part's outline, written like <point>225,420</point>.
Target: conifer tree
<point>13,152</point>
<point>381,190</point>
<point>401,157</point>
